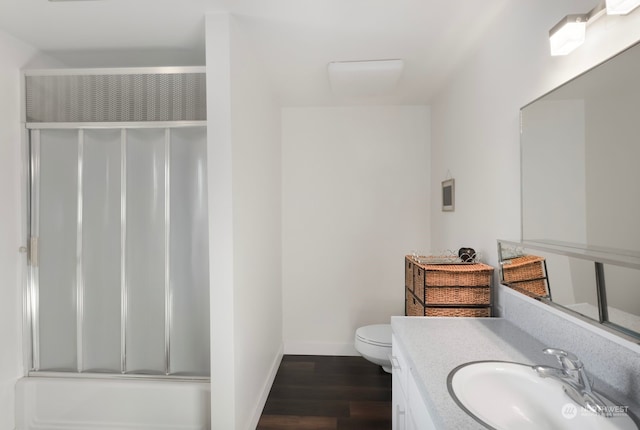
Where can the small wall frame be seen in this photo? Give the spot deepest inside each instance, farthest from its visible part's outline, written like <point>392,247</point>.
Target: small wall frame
<point>448,195</point>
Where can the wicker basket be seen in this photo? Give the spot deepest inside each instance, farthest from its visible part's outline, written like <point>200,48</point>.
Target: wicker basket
<point>447,290</point>
<point>413,307</point>
<point>408,273</point>
<point>526,273</point>
<point>453,284</point>
<point>458,312</point>
<point>454,295</point>
<point>461,275</point>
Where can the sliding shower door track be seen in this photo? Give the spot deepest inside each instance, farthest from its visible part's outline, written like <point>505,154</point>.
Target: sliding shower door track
<point>115,376</point>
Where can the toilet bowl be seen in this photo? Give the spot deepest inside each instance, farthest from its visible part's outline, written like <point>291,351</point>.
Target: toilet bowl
<point>373,342</point>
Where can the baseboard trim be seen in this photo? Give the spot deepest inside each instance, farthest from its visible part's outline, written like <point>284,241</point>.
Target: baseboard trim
<point>320,348</point>
<point>257,412</point>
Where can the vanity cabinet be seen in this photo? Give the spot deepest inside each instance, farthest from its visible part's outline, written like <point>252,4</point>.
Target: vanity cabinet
<point>399,404</point>
<point>409,410</point>
<point>447,290</point>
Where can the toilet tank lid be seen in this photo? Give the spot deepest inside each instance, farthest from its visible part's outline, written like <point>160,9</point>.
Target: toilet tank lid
<point>377,333</point>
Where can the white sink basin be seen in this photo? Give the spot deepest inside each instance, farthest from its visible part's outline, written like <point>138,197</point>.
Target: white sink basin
<point>502,395</point>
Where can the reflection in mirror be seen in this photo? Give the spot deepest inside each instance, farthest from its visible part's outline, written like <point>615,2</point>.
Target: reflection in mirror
<point>526,273</point>
<point>572,283</point>
<point>577,289</point>
<point>623,296</point>
<point>566,281</point>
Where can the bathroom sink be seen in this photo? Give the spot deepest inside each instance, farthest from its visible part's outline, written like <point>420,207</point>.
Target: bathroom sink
<point>504,395</point>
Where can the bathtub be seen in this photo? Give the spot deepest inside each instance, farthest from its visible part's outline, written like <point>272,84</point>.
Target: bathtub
<point>55,403</point>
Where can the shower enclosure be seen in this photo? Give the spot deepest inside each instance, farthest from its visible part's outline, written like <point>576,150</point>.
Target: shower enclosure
<point>117,223</point>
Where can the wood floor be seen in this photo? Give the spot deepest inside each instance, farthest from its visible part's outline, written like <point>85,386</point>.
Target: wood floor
<point>328,393</point>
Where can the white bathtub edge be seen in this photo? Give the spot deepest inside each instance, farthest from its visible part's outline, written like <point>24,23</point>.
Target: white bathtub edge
<point>59,403</point>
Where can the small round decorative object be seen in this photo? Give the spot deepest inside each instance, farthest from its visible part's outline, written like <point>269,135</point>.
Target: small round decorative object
<point>467,255</point>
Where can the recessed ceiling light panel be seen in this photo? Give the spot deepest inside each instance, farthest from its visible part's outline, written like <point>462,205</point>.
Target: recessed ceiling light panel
<point>364,78</point>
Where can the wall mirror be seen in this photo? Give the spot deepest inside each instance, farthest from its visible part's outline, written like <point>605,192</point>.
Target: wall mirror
<point>580,173</point>
<point>580,150</point>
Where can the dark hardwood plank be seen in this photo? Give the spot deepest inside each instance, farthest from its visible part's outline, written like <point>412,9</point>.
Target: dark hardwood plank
<point>327,392</point>
<point>363,424</point>
<point>292,422</point>
<point>335,392</point>
<point>298,366</point>
<point>377,410</point>
<point>313,407</point>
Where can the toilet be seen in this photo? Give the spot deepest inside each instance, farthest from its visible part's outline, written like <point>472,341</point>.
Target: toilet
<point>373,342</point>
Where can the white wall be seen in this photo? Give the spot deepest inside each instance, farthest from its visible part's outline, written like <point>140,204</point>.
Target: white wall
<point>244,227</point>
<point>257,253</point>
<point>15,55</point>
<point>475,117</point>
<point>219,173</point>
<point>355,201</point>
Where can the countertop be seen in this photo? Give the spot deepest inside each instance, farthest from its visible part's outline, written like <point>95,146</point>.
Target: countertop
<point>434,346</point>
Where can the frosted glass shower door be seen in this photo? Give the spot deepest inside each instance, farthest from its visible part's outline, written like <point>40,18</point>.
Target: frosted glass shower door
<point>145,251</point>
<point>189,252</point>
<point>120,283</point>
<point>57,226</point>
<point>101,250</point>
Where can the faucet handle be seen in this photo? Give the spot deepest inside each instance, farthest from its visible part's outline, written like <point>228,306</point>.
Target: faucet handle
<point>573,368</point>
<point>567,360</point>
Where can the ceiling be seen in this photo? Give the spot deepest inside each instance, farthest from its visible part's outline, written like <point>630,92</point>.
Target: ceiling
<point>295,39</point>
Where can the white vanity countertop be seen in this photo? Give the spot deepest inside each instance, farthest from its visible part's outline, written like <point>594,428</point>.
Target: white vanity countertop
<point>434,346</point>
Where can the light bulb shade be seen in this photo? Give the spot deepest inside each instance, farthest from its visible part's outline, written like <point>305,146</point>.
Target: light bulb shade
<point>621,7</point>
<point>568,34</point>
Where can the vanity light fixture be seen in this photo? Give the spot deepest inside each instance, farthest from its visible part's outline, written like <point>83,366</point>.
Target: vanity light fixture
<point>621,7</point>
<point>570,32</point>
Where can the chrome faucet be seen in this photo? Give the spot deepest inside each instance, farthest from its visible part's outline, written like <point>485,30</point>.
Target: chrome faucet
<point>574,380</point>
